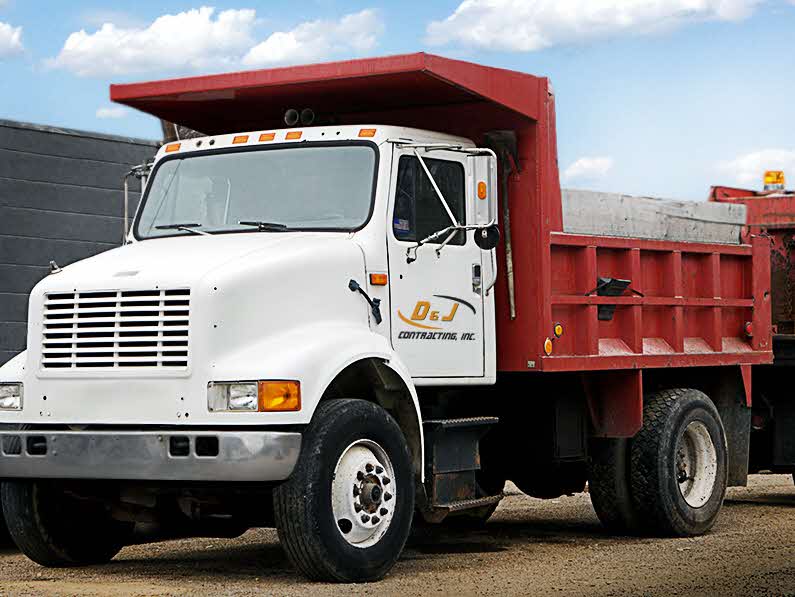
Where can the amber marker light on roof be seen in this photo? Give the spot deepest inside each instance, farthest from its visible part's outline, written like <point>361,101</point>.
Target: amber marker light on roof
<point>267,136</point>
<point>293,135</point>
<point>240,139</point>
<point>171,148</point>
<point>367,132</point>
<point>378,279</point>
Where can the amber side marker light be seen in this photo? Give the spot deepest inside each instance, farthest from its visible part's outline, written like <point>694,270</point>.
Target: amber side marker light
<point>482,194</point>
<point>378,279</point>
<point>367,132</point>
<point>279,396</point>
<point>267,136</point>
<point>240,139</point>
<point>293,135</point>
<point>173,147</point>
<point>557,329</point>
<point>548,346</point>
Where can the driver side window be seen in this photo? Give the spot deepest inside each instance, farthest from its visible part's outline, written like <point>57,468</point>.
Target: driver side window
<point>418,211</point>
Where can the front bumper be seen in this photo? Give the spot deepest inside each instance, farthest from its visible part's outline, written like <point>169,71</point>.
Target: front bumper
<point>149,456</point>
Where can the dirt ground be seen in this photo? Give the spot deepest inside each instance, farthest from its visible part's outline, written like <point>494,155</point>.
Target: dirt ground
<point>530,547</point>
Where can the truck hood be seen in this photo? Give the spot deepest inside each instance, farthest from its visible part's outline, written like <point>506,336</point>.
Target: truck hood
<point>180,261</point>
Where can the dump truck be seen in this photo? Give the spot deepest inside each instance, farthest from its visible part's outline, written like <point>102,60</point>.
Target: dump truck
<point>348,303</point>
<point>771,212</point>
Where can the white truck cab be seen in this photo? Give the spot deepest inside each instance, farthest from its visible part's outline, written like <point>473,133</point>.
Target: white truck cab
<point>264,274</point>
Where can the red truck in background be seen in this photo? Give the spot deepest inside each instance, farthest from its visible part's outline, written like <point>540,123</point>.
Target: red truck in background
<point>772,213</point>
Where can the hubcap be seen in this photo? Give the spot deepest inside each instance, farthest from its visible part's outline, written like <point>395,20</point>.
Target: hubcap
<point>696,464</point>
<point>362,493</point>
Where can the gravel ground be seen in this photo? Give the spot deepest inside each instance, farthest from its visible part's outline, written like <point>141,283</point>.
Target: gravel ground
<point>529,547</point>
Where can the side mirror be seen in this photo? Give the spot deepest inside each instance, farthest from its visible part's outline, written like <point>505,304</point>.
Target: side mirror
<point>488,237</point>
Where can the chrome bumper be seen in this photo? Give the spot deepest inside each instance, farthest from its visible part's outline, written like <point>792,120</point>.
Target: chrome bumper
<point>149,456</point>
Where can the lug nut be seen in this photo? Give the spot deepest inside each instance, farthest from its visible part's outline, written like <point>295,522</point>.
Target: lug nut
<point>355,490</point>
<point>387,496</point>
<point>360,476</point>
<point>365,518</point>
<point>385,481</point>
<point>357,507</point>
<point>369,468</point>
<point>383,511</point>
<point>376,520</point>
<point>379,470</point>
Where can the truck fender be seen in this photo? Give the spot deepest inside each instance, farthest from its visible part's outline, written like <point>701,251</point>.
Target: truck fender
<point>315,355</point>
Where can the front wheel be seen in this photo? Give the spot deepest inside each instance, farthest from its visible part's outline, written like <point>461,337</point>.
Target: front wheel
<point>679,464</point>
<point>345,512</point>
<point>55,529</point>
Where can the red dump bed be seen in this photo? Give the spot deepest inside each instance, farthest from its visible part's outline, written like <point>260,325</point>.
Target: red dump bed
<point>687,304</point>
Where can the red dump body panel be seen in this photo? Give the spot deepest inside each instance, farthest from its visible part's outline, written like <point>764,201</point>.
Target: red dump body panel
<point>695,298</point>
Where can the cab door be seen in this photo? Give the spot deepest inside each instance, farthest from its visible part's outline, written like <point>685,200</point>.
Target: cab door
<point>436,289</point>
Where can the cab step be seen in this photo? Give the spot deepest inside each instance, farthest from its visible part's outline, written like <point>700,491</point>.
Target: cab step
<point>452,460</point>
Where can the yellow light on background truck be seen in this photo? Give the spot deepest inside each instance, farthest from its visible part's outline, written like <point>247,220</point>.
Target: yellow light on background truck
<point>774,180</point>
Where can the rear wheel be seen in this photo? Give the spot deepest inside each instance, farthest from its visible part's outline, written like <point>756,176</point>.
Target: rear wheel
<point>56,529</point>
<point>345,512</point>
<point>679,464</point>
<point>609,484</point>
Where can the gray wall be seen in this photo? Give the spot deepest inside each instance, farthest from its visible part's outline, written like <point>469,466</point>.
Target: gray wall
<point>60,199</point>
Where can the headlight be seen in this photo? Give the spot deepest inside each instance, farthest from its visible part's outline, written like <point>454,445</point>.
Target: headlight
<point>232,396</point>
<point>254,396</point>
<point>11,396</point>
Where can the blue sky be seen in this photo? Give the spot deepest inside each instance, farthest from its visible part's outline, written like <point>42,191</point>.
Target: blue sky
<point>658,97</point>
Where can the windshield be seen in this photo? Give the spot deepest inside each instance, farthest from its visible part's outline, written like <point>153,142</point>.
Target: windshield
<point>305,188</point>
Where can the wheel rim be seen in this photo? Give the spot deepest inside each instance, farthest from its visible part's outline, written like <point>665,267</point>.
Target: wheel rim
<point>696,464</point>
<point>363,493</point>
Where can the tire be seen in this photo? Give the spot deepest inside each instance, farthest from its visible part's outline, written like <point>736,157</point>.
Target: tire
<point>5,538</point>
<point>609,485</point>
<point>56,530</point>
<point>679,464</point>
<point>320,524</point>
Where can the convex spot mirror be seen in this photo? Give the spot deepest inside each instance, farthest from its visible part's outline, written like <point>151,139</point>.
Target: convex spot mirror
<point>488,237</point>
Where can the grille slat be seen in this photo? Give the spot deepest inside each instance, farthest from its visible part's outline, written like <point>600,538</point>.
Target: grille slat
<point>116,329</point>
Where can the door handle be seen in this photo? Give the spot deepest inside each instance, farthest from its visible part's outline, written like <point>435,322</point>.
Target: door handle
<point>477,278</point>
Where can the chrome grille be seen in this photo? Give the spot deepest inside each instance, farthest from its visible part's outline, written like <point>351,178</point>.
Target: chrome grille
<point>116,329</point>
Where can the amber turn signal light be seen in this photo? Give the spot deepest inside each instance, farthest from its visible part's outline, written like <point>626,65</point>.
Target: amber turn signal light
<point>378,279</point>
<point>279,396</point>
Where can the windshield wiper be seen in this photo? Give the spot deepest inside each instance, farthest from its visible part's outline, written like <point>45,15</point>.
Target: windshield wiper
<point>184,228</point>
<point>265,226</point>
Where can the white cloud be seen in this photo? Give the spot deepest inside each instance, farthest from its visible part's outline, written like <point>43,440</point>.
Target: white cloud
<point>111,112</point>
<point>588,169</point>
<point>202,39</point>
<point>315,40</point>
<point>196,39</point>
<point>750,168</point>
<point>10,40</point>
<point>528,25</point>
